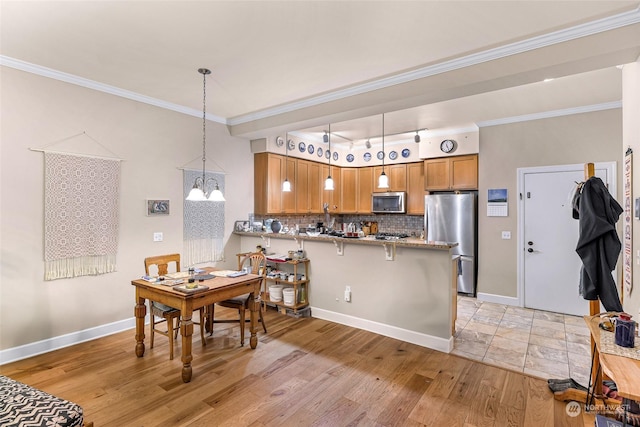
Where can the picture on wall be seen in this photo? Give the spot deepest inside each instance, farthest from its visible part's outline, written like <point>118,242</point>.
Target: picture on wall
<point>157,207</point>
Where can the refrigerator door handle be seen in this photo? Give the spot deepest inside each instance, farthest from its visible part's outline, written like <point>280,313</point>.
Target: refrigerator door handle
<point>460,266</point>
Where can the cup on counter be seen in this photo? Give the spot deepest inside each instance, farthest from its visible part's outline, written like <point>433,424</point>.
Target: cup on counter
<point>291,278</point>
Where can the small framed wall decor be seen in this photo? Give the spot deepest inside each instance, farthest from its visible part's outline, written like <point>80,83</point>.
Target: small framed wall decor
<point>241,226</point>
<point>157,207</point>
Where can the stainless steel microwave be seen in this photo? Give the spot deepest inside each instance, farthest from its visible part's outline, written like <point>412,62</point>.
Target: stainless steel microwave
<point>388,202</point>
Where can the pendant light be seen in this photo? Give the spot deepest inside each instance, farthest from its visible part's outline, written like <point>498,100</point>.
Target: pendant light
<point>286,185</point>
<point>328,183</point>
<point>198,192</point>
<point>383,179</point>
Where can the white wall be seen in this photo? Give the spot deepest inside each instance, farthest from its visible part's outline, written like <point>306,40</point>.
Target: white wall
<point>153,142</point>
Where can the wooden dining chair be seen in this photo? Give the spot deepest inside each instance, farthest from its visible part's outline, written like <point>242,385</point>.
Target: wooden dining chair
<point>256,261</point>
<point>164,312</point>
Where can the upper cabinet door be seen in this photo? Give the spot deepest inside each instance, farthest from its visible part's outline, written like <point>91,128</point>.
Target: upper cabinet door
<point>348,190</point>
<point>266,189</point>
<point>315,185</point>
<point>415,188</point>
<point>397,177</point>
<point>451,173</point>
<point>464,172</point>
<point>436,174</point>
<point>365,188</point>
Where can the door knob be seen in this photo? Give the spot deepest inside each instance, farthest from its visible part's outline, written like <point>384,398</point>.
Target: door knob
<point>530,243</point>
<point>530,250</point>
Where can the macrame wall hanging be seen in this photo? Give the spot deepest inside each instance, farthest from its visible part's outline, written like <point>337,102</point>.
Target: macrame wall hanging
<point>81,212</point>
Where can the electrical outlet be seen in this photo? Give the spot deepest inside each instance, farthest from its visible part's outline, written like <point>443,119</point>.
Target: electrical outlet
<point>157,237</point>
<point>347,294</point>
<point>506,235</point>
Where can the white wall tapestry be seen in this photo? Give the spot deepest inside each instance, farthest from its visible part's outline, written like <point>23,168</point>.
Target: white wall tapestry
<point>203,223</point>
<point>80,215</point>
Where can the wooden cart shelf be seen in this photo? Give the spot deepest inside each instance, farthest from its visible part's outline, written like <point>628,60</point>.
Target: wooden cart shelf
<point>300,287</point>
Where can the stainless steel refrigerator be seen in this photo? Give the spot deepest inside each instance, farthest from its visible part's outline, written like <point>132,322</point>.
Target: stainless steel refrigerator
<point>451,217</point>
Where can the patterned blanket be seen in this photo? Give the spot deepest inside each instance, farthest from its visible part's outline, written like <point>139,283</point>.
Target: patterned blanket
<point>21,405</point>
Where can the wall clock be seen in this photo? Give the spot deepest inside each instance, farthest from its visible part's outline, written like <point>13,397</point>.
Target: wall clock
<point>448,146</point>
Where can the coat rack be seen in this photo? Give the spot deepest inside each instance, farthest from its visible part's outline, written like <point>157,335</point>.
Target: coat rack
<point>596,372</point>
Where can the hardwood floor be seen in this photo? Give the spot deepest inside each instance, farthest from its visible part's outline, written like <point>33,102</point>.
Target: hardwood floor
<point>305,372</point>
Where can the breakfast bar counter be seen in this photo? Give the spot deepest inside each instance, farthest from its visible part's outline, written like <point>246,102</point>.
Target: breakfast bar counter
<point>401,288</point>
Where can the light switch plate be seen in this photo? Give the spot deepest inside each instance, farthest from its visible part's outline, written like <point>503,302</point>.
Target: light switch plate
<point>157,237</point>
<point>506,235</point>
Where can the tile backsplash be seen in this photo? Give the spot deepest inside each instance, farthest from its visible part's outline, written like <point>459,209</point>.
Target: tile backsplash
<point>388,223</point>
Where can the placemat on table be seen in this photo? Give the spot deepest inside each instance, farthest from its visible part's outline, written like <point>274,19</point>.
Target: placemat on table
<point>608,346</point>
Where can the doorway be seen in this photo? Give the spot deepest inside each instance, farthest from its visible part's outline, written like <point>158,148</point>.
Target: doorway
<point>548,265</point>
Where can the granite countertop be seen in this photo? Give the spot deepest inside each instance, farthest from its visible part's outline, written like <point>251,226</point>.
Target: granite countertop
<point>412,242</point>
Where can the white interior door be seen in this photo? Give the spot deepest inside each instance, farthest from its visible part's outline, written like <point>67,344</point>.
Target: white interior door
<point>550,265</point>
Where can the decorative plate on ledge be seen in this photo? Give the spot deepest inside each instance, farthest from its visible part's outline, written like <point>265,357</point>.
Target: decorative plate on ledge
<point>327,153</point>
<point>350,158</point>
<point>406,153</point>
<point>302,147</point>
<point>310,148</point>
<point>380,155</point>
<point>393,155</point>
<point>319,151</point>
<point>335,155</point>
<point>367,156</point>
<point>291,145</point>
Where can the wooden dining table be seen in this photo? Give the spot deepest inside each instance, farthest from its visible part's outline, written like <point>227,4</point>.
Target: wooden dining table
<point>218,288</point>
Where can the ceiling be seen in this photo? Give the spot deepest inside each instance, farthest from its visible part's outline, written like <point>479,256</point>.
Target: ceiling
<point>296,65</point>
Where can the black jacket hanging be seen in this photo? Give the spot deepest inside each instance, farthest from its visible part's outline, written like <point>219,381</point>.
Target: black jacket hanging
<point>598,243</point>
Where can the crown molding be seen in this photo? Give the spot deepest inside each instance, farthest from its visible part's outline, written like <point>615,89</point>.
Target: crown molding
<point>560,36</point>
<point>101,87</point>
<point>582,30</point>
<point>550,114</point>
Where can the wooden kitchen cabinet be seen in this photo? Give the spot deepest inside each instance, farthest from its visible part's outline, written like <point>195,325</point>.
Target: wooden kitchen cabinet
<point>415,188</point>
<point>364,185</point>
<point>331,197</point>
<point>397,177</point>
<point>270,171</point>
<point>451,173</point>
<point>308,187</point>
<point>348,190</point>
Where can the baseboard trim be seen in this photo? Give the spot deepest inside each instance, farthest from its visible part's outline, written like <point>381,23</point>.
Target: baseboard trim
<point>436,343</point>
<point>498,299</point>
<point>39,347</point>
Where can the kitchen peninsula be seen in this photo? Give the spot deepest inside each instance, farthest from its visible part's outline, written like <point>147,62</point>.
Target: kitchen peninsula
<point>405,288</point>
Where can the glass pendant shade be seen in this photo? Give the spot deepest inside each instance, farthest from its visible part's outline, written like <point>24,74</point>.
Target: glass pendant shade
<point>383,181</point>
<point>328,183</point>
<point>286,186</point>
<point>196,195</point>
<point>216,195</point>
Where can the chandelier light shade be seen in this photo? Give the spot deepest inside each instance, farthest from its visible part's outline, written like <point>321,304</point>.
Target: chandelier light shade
<point>286,185</point>
<point>383,179</point>
<point>328,183</point>
<point>198,192</point>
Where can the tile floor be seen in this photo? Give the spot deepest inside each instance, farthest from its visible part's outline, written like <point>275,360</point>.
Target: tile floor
<point>536,342</point>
